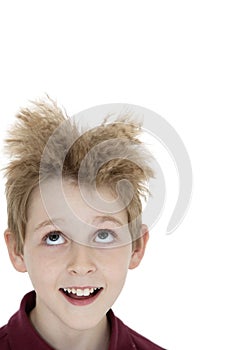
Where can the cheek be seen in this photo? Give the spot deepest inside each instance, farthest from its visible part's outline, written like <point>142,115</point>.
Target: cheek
<point>41,266</point>
<point>115,263</point>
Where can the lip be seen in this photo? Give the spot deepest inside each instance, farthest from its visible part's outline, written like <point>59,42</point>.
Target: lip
<point>81,301</point>
<point>79,287</point>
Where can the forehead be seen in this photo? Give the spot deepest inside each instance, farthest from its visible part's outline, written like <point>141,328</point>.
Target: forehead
<point>74,204</point>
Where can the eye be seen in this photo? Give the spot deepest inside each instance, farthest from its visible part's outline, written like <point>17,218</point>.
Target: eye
<point>54,238</point>
<point>105,236</point>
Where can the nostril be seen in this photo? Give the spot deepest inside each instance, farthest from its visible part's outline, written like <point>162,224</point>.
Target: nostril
<point>81,269</point>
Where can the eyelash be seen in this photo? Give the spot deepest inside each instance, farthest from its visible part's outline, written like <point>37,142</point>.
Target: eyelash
<point>112,233</point>
<point>51,233</point>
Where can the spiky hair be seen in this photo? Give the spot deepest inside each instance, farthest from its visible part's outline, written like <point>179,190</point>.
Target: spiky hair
<point>31,135</point>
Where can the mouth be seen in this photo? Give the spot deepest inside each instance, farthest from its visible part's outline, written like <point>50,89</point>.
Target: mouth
<point>81,296</point>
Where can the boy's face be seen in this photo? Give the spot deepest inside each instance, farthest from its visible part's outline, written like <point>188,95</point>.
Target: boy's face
<point>62,268</point>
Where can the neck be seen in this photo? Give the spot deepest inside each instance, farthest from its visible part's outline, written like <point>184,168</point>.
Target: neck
<point>62,338</point>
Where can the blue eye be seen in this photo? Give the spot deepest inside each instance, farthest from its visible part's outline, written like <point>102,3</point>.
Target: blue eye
<point>104,236</point>
<point>54,238</point>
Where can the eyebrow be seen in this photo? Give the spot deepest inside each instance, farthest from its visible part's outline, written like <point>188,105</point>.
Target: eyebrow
<point>45,223</point>
<point>103,218</point>
<point>99,219</point>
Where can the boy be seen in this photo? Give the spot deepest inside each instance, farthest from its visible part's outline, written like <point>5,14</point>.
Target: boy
<point>74,224</point>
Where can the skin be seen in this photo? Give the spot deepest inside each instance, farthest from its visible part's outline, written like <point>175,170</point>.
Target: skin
<point>78,257</point>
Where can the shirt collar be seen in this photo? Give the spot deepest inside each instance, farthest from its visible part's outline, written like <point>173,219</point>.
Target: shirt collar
<point>22,335</point>
<point>120,336</point>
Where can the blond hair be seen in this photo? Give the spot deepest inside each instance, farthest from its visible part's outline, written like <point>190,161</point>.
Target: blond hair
<point>26,143</point>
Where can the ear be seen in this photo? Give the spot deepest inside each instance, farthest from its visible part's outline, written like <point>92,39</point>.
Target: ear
<point>16,258</point>
<point>139,248</point>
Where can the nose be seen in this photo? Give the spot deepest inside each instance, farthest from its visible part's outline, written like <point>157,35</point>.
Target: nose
<point>81,260</point>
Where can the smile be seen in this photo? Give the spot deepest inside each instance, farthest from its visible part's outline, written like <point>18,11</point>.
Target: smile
<point>81,296</point>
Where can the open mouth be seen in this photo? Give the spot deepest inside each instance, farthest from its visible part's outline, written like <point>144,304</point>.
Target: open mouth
<point>81,293</point>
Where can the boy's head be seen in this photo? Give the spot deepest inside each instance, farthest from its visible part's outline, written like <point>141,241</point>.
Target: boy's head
<point>45,144</point>
<point>75,277</point>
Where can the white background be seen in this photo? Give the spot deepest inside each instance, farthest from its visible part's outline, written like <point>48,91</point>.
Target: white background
<point>173,57</point>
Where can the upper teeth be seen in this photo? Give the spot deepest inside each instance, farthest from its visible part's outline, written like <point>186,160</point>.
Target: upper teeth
<point>80,292</point>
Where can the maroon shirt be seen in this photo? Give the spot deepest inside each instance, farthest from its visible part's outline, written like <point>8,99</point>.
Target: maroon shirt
<point>19,334</point>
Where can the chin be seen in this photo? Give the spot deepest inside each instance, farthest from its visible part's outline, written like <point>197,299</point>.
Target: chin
<point>80,323</point>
